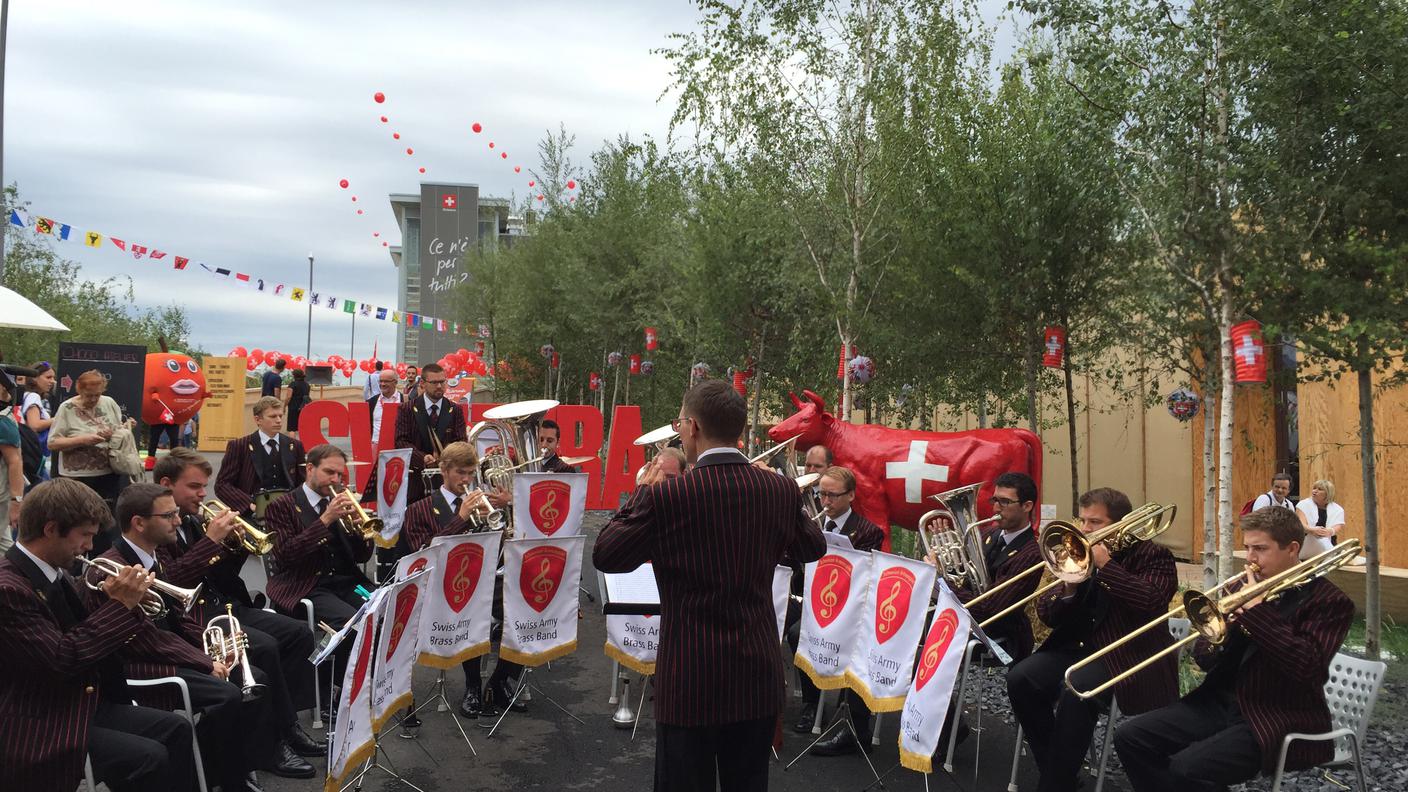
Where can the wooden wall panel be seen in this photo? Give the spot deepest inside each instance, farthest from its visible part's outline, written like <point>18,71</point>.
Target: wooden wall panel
<point>1253,453</point>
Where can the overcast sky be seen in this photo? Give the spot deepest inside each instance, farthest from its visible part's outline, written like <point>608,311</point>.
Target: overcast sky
<point>219,132</point>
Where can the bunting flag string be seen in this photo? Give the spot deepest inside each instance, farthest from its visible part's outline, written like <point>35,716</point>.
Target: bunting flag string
<point>263,286</point>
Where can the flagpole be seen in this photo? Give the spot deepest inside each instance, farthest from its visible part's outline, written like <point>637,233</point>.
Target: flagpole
<point>308,350</point>
<point>4,33</point>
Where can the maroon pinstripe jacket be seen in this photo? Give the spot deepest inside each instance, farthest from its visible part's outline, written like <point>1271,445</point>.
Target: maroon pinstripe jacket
<point>301,549</point>
<point>428,518</point>
<point>214,565</point>
<point>1281,679</point>
<point>1014,628</point>
<point>1135,587</point>
<point>52,677</point>
<point>238,479</point>
<point>715,536</point>
<point>864,534</point>
<point>413,431</point>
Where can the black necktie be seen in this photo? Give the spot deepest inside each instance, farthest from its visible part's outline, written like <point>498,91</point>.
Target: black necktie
<point>434,414</point>
<point>323,505</point>
<point>831,526</point>
<point>456,505</point>
<point>273,447</point>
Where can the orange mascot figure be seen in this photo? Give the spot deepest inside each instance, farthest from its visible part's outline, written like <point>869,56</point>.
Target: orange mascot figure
<point>173,390</point>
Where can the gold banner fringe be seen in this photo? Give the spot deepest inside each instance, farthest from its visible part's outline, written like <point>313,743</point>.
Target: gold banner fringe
<point>436,661</point>
<point>535,660</point>
<point>634,663</point>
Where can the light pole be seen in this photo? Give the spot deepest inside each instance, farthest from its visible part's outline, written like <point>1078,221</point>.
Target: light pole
<point>308,350</point>
<point>4,30</point>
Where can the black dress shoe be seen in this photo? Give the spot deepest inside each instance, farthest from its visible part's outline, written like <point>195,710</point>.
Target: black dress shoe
<point>840,744</point>
<point>497,696</point>
<point>250,785</point>
<point>291,765</point>
<point>470,706</point>
<point>410,726</point>
<point>303,743</point>
<point>806,719</point>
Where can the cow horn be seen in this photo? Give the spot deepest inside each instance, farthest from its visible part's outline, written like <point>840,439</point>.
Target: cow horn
<point>796,402</point>
<point>817,400</point>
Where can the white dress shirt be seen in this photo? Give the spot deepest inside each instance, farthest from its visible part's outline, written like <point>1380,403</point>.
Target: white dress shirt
<point>44,566</point>
<point>394,398</point>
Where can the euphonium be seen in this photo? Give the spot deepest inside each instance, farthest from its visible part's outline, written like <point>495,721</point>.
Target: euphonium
<point>228,643</point>
<point>358,524</point>
<point>516,425</point>
<point>253,540</point>
<point>152,603</point>
<point>958,551</point>
<point>1212,612</point>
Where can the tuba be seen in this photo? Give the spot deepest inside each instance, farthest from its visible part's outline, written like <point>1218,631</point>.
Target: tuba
<point>253,540</point>
<point>358,524</point>
<point>958,551</point>
<point>659,439</point>
<point>152,603</point>
<point>516,425</point>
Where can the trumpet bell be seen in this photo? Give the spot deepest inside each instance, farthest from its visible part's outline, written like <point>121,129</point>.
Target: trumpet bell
<point>658,436</point>
<point>624,717</point>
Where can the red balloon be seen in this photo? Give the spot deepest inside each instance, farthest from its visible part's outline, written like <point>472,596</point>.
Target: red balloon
<point>354,199</point>
<point>359,211</point>
<point>343,184</point>
<point>491,144</point>
<point>383,244</point>
<point>383,119</point>
<point>239,351</point>
<point>257,355</point>
<point>540,196</point>
<point>531,182</point>
<point>504,155</point>
<point>462,352</point>
<point>477,128</point>
<point>379,97</point>
<point>410,151</point>
<point>401,370</point>
<point>516,169</point>
<point>376,233</point>
<point>571,185</point>
<point>572,199</point>
<point>395,135</point>
<point>422,170</point>
<point>250,365</point>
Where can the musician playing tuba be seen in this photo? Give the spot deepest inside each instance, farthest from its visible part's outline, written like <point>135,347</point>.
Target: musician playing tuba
<point>1127,588</point>
<point>1264,680</point>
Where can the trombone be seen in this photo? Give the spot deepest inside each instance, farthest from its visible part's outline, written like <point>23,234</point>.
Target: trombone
<point>253,540</point>
<point>152,603</point>
<point>1065,551</point>
<point>228,643</point>
<point>1212,612</point>
<point>358,524</point>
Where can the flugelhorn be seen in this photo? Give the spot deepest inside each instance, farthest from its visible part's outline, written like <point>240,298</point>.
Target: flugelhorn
<point>1065,551</point>
<point>1212,612</point>
<point>253,540</point>
<point>359,524</point>
<point>152,603</point>
<point>485,517</point>
<point>227,643</point>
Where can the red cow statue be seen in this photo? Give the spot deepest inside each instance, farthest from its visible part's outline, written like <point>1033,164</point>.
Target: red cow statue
<point>898,469</point>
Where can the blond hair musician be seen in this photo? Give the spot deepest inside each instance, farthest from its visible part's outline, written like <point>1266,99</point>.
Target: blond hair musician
<point>1264,682</point>
<point>1127,589</point>
<point>263,460</point>
<point>63,690</point>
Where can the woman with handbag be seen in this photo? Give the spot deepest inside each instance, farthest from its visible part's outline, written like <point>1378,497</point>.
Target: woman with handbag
<point>94,443</point>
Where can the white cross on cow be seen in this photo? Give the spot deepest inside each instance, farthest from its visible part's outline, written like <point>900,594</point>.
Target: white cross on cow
<point>915,471</point>
<point>1249,351</point>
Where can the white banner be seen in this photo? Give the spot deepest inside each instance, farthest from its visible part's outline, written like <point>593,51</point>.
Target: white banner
<point>892,623</point>
<point>392,469</point>
<point>459,599</point>
<point>781,590</point>
<point>415,562</point>
<point>831,610</point>
<point>540,598</point>
<point>633,640</point>
<point>351,741</point>
<point>926,706</point>
<point>548,504</point>
<point>396,648</point>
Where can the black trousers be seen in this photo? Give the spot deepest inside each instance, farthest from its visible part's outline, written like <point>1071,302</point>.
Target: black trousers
<point>280,646</point>
<point>335,605</point>
<point>1200,743</point>
<point>696,758</point>
<point>235,736</point>
<point>154,433</point>
<point>1057,723</point>
<point>134,749</point>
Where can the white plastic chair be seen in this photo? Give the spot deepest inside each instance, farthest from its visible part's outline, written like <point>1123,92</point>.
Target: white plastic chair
<point>317,692</point>
<point>186,710</point>
<point>1351,691</point>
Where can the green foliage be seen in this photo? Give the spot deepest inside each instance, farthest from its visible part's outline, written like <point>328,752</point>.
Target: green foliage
<point>96,311</point>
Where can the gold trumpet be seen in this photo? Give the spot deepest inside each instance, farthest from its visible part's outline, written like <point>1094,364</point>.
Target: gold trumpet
<point>253,540</point>
<point>1212,613</point>
<point>152,603</point>
<point>1065,551</point>
<point>358,524</point>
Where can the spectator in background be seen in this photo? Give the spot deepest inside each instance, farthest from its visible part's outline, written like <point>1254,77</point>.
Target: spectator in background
<point>373,385</point>
<point>80,433</point>
<point>1322,518</point>
<point>273,379</point>
<point>1278,496</point>
<point>298,398</point>
<point>12,482</point>
<point>35,409</point>
<point>412,383</point>
<point>189,430</point>
<point>376,404</point>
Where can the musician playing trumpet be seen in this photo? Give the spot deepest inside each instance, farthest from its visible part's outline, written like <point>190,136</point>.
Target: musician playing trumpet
<point>207,552</point>
<point>1126,589</point>
<point>1263,682</point>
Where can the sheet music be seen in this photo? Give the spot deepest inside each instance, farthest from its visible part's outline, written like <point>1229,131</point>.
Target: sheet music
<point>837,539</point>
<point>635,588</point>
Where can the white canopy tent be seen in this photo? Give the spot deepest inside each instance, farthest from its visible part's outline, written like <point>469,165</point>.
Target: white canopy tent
<point>18,312</point>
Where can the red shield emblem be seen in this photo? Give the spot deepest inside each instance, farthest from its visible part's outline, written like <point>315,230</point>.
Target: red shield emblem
<point>892,601</point>
<point>359,671</point>
<point>941,634</point>
<point>417,565</point>
<point>831,587</point>
<point>541,575</point>
<point>395,473</point>
<point>405,602</point>
<point>462,567</point>
<point>548,505</point>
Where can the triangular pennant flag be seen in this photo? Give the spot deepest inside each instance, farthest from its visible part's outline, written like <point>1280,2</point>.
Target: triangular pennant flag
<point>62,232</point>
<point>181,262</point>
<point>297,294</point>
<point>157,254</point>
<point>221,272</point>
<point>44,225</point>
<point>242,278</point>
<point>120,244</point>
<point>16,219</point>
<point>138,251</point>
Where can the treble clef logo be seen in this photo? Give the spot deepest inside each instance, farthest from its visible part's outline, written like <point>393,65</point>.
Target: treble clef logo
<point>828,594</point>
<point>461,583</point>
<point>549,512</point>
<point>542,585</point>
<point>888,611</point>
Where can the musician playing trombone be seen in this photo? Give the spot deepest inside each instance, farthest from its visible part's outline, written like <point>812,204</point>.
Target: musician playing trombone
<point>1263,682</point>
<point>207,553</point>
<point>1126,589</point>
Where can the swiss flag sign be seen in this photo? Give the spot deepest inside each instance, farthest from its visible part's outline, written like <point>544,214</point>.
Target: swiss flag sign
<point>449,201</point>
<point>1248,352</point>
<point>1054,347</point>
